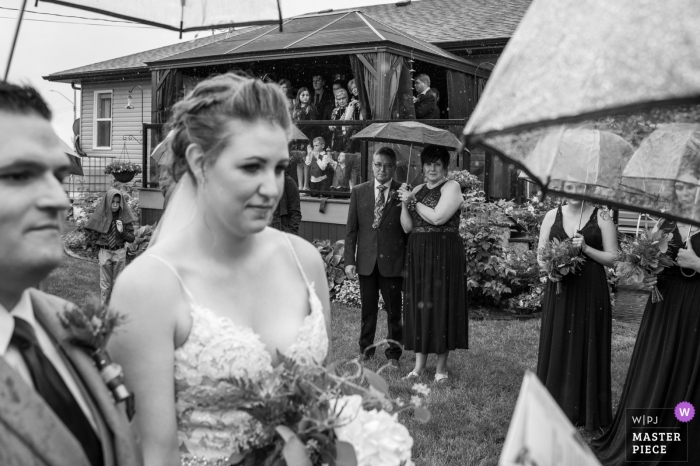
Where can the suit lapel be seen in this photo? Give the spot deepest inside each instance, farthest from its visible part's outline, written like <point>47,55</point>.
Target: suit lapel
<point>28,416</point>
<point>112,425</point>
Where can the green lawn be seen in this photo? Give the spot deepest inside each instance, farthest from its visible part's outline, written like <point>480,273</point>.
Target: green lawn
<point>470,414</point>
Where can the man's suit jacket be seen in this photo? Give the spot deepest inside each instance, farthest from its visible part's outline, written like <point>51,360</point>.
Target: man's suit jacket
<point>30,432</point>
<point>325,107</point>
<point>365,246</point>
<point>426,107</point>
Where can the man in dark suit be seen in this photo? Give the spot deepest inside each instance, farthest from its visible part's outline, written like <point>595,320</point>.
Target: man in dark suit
<point>55,409</point>
<point>287,215</point>
<point>323,99</point>
<point>425,102</point>
<point>375,248</point>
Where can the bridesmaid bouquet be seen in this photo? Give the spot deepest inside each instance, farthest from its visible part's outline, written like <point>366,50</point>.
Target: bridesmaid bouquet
<point>312,416</point>
<point>90,328</point>
<point>644,255</point>
<point>559,258</point>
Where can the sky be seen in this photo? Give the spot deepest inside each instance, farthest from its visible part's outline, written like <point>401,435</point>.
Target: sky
<point>48,43</point>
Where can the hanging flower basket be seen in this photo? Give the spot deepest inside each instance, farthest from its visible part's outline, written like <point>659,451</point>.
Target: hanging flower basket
<point>123,171</point>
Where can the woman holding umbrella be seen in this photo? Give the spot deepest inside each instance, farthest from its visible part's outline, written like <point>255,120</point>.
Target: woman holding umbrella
<point>576,332</point>
<point>663,371</point>
<point>435,288</point>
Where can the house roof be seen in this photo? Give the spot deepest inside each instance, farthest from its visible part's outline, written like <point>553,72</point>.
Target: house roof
<point>440,21</point>
<point>137,61</point>
<point>435,21</point>
<point>343,31</point>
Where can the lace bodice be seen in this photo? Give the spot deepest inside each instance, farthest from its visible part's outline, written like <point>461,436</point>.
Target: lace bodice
<point>430,197</point>
<point>216,350</point>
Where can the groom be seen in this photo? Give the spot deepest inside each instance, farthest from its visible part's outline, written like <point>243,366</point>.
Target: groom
<point>55,409</point>
<point>375,249</point>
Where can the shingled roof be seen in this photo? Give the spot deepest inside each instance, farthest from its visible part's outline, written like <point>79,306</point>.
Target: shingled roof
<point>440,21</point>
<point>435,21</point>
<point>137,61</point>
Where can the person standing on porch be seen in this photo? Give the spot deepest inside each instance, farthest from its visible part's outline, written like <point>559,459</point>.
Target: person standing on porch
<point>323,99</point>
<point>113,225</point>
<point>425,102</point>
<point>375,248</point>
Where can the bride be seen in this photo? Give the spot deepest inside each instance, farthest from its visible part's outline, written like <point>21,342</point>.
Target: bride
<point>219,294</point>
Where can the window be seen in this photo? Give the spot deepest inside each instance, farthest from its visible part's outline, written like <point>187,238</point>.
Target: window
<point>103,120</point>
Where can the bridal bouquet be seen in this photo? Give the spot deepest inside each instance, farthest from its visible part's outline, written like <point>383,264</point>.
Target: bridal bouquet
<point>643,255</point>
<point>559,258</point>
<point>314,416</point>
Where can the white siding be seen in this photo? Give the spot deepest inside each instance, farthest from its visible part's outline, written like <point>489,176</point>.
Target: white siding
<point>124,122</point>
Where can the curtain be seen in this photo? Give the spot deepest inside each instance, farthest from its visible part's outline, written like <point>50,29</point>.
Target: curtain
<point>358,72</point>
<point>458,95</point>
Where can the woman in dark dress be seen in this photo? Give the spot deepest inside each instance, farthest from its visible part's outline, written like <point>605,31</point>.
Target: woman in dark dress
<point>576,331</point>
<point>302,110</point>
<point>435,287</point>
<point>665,365</point>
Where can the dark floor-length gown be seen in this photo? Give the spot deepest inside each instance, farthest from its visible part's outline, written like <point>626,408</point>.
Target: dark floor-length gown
<point>435,289</point>
<point>576,336</point>
<point>665,366</point>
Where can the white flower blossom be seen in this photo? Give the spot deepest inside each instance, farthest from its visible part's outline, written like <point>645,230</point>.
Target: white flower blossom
<point>377,436</point>
<point>421,388</point>
<point>416,400</point>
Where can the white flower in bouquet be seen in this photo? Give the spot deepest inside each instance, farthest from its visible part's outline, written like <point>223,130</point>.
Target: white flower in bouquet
<point>377,436</point>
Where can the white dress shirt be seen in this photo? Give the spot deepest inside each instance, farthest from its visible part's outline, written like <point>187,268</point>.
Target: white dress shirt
<point>386,191</point>
<point>23,310</point>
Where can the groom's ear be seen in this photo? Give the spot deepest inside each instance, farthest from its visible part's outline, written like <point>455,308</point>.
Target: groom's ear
<point>195,159</point>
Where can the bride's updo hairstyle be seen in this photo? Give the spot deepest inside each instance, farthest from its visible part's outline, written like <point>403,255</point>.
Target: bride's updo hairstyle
<point>205,115</point>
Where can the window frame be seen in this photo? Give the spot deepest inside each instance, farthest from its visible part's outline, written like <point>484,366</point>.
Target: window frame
<point>95,119</point>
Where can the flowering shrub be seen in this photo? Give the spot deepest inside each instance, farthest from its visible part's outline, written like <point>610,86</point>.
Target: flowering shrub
<point>122,167</point>
<point>467,181</point>
<point>334,261</point>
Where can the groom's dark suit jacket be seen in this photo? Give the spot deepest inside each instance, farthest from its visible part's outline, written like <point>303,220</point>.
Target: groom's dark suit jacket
<point>32,434</point>
<point>365,246</point>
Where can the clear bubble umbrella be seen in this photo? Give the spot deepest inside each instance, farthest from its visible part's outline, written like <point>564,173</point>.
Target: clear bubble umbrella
<point>624,67</point>
<point>664,173</point>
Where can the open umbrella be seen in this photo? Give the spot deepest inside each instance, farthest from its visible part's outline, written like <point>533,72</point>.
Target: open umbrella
<point>76,167</point>
<point>409,132</point>
<point>297,134</point>
<point>623,66</point>
<point>664,173</point>
<point>175,15</point>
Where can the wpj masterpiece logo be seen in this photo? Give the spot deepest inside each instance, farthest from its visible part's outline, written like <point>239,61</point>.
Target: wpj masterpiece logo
<point>652,433</point>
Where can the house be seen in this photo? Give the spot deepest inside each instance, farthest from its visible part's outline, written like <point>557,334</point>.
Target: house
<point>455,41</point>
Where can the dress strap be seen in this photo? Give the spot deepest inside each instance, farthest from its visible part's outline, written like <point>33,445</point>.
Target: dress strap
<point>177,275</point>
<point>296,258</point>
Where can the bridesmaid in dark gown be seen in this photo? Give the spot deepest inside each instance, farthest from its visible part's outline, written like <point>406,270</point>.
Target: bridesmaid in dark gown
<point>576,332</point>
<point>665,365</point>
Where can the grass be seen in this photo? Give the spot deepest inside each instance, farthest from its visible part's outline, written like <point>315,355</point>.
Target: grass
<point>470,413</point>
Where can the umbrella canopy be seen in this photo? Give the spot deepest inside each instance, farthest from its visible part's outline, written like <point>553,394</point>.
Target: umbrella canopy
<point>297,135</point>
<point>624,67</point>
<point>664,173</point>
<point>409,132</point>
<point>185,15</point>
<point>593,157</point>
<point>76,167</point>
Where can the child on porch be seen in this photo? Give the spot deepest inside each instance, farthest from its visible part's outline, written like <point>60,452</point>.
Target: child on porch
<point>321,166</point>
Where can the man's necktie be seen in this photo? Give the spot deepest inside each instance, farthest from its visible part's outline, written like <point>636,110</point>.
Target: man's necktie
<point>51,387</point>
<point>378,206</point>
<point>112,234</point>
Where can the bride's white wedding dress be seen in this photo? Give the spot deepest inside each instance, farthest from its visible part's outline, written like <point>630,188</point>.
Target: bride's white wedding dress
<point>216,350</point>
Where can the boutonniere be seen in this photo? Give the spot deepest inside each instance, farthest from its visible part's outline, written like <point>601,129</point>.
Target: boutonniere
<point>90,329</point>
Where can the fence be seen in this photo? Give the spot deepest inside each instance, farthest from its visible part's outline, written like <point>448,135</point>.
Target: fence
<point>94,180</point>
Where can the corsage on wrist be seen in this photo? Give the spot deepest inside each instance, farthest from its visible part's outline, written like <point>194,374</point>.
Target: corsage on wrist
<point>411,205</point>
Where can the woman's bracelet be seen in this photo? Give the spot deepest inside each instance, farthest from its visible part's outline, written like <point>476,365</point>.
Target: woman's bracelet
<point>411,205</point>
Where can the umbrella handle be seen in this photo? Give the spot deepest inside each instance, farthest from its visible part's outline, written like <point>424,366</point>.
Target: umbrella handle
<point>408,167</point>
<point>583,206</point>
